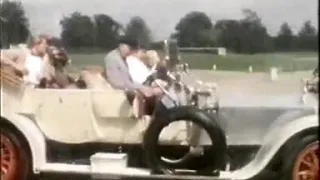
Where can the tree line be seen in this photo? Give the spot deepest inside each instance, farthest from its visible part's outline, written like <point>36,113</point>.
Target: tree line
<point>245,35</point>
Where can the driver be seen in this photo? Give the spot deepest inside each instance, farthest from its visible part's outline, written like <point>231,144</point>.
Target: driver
<point>117,72</point>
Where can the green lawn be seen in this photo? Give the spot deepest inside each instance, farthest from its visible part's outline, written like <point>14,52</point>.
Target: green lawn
<point>233,62</point>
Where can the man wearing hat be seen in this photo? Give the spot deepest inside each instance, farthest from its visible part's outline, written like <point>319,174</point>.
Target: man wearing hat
<point>117,72</point>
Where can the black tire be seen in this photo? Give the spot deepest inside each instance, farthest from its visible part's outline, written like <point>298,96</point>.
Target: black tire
<point>290,156</point>
<point>214,154</point>
<point>23,169</point>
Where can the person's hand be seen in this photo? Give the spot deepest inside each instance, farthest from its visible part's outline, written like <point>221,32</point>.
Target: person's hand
<point>156,91</point>
<point>160,82</point>
<point>24,71</point>
<point>147,91</point>
<point>21,71</point>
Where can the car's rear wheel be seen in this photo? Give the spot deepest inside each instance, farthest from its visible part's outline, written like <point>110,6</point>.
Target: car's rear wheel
<point>14,158</point>
<point>213,156</point>
<point>302,161</point>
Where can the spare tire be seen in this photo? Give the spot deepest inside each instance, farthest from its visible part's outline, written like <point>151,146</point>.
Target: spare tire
<point>215,154</point>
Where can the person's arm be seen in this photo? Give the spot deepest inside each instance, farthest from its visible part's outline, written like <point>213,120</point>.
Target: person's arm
<point>115,76</point>
<point>10,58</point>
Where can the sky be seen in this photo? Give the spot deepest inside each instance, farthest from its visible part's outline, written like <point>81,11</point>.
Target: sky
<point>162,15</point>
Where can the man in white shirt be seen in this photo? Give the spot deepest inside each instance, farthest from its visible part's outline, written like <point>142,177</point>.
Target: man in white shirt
<point>28,62</point>
<point>138,70</point>
<point>34,62</point>
<point>143,63</point>
<point>34,65</point>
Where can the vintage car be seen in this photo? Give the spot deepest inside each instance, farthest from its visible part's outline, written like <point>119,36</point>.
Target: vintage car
<point>192,133</point>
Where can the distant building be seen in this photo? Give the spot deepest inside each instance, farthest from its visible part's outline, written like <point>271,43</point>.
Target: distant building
<point>221,51</point>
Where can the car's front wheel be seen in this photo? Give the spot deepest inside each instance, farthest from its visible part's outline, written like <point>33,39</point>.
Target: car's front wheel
<point>212,157</point>
<point>302,160</point>
<point>14,158</point>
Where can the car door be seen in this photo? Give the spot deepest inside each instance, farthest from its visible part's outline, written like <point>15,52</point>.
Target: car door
<point>113,115</point>
<point>65,115</point>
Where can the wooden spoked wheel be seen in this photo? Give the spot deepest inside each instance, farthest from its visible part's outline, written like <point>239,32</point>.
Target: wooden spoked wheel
<point>306,166</point>
<point>9,159</point>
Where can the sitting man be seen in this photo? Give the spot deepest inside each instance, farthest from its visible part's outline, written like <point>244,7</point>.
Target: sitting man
<point>117,71</point>
<point>118,75</point>
<point>138,70</point>
<point>143,63</point>
<point>29,62</point>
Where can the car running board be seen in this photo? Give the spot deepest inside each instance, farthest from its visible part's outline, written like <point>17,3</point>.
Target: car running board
<point>114,165</point>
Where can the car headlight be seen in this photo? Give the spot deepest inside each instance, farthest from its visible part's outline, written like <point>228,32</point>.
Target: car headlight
<point>204,96</point>
<point>206,99</point>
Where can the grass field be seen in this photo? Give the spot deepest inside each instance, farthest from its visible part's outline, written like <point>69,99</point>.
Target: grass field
<point>232,62</point>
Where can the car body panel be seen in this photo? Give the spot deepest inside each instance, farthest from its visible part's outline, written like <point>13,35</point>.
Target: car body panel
<point>277,136</point>
<point>81,116</point>
<point>249,125</point>
<point>34,136</point>
<point>66,116</point>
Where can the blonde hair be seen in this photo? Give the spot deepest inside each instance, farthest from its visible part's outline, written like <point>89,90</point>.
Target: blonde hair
<point>152,57</point>
<point>32,41</point>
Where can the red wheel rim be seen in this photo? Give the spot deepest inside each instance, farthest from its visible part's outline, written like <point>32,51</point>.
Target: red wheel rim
<point>306,166</point>
<point>9,159</point>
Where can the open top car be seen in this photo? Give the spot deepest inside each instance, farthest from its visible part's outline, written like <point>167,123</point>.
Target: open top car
<point>192,134</point>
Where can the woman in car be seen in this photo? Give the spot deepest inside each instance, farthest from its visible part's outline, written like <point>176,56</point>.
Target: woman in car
<point>55,75</point>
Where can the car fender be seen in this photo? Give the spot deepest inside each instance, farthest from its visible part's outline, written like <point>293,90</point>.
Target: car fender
<point>34,137</point>
<point>276,137</point>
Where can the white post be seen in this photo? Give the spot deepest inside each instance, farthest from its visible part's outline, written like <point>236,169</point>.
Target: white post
<point>250,69</point>
<point>214,67</point>
<point>274,73</point>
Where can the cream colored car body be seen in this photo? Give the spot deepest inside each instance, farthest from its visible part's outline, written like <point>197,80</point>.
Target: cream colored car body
<point>79,116</point>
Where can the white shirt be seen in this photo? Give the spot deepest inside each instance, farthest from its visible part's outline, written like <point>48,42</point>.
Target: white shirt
<point>34,65</point>
<point>137,69</point>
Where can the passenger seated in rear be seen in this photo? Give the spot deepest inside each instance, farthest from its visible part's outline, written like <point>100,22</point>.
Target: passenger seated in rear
<point>55,75</point>
<point>34,61</point>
